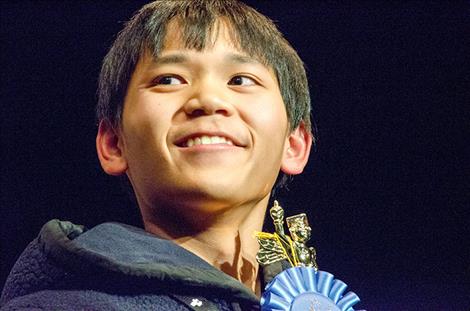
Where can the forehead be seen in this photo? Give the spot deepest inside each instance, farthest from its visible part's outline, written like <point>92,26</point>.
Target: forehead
<point>179,35</point>
<point>220,35</point>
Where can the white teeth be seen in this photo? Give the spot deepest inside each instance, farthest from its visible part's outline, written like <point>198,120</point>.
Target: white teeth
<point>208,140</point>
<point>216,140</point>
<point>205,140</point>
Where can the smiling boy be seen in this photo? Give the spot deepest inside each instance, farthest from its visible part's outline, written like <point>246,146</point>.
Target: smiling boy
<point>202,104</point>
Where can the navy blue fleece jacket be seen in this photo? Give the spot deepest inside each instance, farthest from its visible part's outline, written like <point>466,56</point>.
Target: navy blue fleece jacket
<point>116,267</point>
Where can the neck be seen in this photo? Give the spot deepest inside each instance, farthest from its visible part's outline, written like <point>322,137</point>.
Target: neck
<point>224,239</point>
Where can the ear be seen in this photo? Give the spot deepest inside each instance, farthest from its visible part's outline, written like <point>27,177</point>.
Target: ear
<point>297,150</point>
<point>109,150</point>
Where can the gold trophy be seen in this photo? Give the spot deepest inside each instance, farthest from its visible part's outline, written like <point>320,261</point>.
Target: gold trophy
<point>278,246</point>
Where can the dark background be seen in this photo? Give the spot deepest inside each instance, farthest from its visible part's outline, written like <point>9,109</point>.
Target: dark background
<point>386,188</point>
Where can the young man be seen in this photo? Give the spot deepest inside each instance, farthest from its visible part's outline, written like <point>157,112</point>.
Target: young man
<point>202,104</point>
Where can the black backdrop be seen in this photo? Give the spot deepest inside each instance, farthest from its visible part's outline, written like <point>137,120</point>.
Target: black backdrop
<point>384,190</point>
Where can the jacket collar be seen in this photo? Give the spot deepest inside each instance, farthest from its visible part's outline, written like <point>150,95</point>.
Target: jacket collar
<point>126,251</point>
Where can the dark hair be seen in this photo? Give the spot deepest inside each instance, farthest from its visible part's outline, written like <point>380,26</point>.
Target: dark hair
<point>251,32</point>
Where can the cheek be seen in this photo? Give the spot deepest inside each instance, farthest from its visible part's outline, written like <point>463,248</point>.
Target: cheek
<point>272,121</point>
<point>270,128</point>
<point>148,112</point>
<point>145,126</point>
<point>267,115</point>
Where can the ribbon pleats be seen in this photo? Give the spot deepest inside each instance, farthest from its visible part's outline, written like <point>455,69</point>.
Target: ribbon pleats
<point>301,288</point>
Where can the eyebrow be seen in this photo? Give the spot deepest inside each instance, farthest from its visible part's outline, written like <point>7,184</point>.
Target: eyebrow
<point>181,58</point>
<point>171,59</point>
<point>240,59</point>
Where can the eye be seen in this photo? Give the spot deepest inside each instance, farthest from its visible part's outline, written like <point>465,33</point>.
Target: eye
<point>242,80</point>
<point>168,80</point>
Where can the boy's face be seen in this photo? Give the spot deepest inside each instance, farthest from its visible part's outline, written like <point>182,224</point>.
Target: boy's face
<point>202,129</point>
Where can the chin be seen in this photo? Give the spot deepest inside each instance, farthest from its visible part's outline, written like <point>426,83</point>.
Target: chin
<point>217,191</point>
<point>213,196</point>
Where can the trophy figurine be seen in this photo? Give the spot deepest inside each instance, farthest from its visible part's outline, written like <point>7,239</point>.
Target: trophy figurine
<point>278,246</point>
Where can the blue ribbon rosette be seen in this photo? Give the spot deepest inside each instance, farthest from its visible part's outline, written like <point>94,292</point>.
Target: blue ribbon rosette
<point>304,289</point>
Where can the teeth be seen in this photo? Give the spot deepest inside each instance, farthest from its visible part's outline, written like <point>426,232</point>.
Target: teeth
<point>205,140</point>
<point>208,140</point>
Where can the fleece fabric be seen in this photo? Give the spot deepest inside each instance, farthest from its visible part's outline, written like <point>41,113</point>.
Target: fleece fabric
<point>116,267</point>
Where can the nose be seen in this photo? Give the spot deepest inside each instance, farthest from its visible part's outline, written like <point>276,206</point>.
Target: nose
<point>208,98</point>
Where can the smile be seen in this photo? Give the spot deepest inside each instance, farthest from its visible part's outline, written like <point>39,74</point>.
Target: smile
<point>207,140</point>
